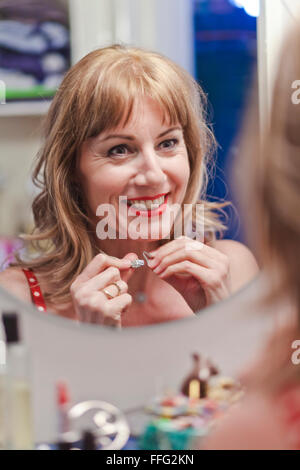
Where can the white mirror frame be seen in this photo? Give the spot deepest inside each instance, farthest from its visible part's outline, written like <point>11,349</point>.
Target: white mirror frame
<point>126,367</point>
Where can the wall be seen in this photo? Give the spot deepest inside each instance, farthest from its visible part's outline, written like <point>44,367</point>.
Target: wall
<point>19,142</point>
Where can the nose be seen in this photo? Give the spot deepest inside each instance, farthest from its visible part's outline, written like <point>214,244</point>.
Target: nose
<point>150,171</point>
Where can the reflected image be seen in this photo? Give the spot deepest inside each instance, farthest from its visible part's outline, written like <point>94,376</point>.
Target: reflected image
<point>127,128</point>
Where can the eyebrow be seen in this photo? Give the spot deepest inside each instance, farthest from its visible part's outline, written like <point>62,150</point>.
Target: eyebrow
<point>130,137</point>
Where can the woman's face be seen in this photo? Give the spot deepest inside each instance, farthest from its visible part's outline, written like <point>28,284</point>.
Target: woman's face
<point>140,170</point>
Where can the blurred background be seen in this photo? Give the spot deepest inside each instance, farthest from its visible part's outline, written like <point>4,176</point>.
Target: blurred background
<point>215,40</point>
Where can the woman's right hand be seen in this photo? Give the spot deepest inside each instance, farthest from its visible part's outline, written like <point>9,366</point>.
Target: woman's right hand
<point>90,302</point>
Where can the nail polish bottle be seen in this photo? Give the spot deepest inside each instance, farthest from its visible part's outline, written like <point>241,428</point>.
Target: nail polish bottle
<point>195,384</point>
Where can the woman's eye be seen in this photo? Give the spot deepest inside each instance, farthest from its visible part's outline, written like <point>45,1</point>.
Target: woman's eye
<point>118,150</point>
<point>169,144</point>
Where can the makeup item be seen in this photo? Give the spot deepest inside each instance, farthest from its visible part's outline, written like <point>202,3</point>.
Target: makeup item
<point>64,445</point>
<point>88,440</point>
<point>18,414</point>
<point>212,368</point>
<point>63,403</point>
<point>195,385</point>
<point>108,424</point>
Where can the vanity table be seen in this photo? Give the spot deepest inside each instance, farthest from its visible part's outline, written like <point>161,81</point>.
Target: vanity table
<point>127,367</point>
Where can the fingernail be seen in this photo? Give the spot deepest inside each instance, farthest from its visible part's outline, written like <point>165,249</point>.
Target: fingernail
<point>127,263</point>
<point>148,257</point>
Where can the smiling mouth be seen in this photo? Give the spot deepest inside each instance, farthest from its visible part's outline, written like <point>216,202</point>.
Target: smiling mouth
<point>148,205</point>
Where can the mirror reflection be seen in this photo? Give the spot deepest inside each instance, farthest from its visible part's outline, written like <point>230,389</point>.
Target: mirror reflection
<point>124,232</point>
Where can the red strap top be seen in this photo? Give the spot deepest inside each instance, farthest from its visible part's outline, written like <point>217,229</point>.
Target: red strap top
<point>290,399</point>
<point>36,293</point>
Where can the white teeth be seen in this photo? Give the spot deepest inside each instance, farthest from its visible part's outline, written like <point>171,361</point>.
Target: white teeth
<point>148,204</point>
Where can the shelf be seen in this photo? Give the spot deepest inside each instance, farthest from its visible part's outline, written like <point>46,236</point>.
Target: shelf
<point>24,108</point>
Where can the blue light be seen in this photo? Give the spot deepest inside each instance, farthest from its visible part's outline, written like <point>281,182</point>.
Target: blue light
<point>236,3</point>
<point>251,7</point>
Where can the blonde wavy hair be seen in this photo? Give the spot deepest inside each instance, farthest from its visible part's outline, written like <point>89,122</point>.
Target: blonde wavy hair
<point>96,95</point>
<point>269,180</point>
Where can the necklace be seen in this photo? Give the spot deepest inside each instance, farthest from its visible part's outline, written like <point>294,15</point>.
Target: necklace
<point>140,297</point>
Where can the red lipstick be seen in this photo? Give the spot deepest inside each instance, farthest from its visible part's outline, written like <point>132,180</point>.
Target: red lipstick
<point>146,198</point>
<point>150,213</point>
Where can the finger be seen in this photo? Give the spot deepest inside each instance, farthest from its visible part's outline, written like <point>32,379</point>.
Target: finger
<point>171,247</point>
<point>117,305</point>
<point>115,308</point>
<point>203,275</point>
<point>113,320</point>
<point>102,280</point>
<point>118,289</point>
<point>103,307</point>
<point>189,245</point>
<point>85,316</point>
<point>126,274</point>
<point>99,263</point>
<point>100,310</point>
<point>181,255</point>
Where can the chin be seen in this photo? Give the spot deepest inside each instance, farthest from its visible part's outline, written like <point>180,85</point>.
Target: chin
<point>152,235</point>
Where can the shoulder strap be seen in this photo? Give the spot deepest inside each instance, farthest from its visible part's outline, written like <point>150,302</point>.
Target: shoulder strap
<point>290,399</point>
<point>36,293</point>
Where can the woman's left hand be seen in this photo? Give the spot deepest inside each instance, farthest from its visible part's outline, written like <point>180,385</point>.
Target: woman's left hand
<point>193,269</point>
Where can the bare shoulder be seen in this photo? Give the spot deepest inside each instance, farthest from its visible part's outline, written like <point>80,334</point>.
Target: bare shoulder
<point>242,263</point>
<point>236,251</point>
<point>14,281</point>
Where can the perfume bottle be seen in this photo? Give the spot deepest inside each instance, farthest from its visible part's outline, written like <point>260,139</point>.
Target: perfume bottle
<point>18,416</point>
<point>195,384</point>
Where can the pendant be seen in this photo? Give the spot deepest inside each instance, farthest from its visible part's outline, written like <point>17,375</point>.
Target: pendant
<point>140,297</point>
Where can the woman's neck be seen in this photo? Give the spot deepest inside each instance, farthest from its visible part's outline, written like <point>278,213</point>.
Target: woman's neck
<point>120,248</point>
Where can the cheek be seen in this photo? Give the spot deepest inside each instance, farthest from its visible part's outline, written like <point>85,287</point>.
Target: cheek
<point>182,174</point>
<point>104,185</point>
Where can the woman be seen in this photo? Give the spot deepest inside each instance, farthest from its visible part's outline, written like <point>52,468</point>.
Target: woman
<point>126,124</point>
<point>269,415</point>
